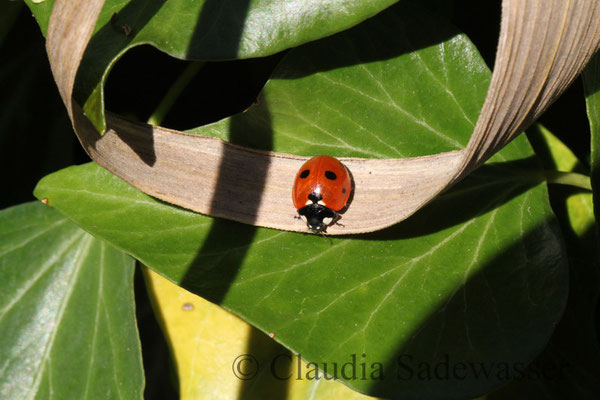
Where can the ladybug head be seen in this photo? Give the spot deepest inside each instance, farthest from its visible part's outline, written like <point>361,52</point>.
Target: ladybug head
<point>317,217</point>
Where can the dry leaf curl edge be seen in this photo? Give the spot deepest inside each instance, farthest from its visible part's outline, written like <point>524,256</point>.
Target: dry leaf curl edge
<point>543,46</point>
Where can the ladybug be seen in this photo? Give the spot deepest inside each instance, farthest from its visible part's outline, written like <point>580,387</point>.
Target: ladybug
<point>321,188</point>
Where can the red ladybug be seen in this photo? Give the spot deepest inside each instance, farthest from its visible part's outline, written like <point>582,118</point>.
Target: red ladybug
<point>321,188</point>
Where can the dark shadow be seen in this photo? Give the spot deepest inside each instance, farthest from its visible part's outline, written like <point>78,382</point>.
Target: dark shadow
<point>225,246</point>
<point>224,250</point>
<point>142,142</point>
<point>543,151</point>
<point>487,188</point>
<point>160,380</point>
<point>109,41</point>
<point>445,353</point>
<point>592,86</point>
<point>219,28</point>
<point>226,88</point>
<point>574,344</point>
<point>103,47</point>
<point>480,21</point>
<point>35,130</point>
<point>222,89</point>
<point>559,194</point>
<point>272,363</point>
<point>140,139</point>
<point>227,259</point>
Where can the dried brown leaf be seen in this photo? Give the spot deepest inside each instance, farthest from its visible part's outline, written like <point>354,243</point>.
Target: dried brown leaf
<point>543,46</point>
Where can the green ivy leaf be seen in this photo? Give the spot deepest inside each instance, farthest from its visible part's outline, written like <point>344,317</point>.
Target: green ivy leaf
<point>463,278</point>
<point>207,29</point>
<point>67,317</point>
<point>403,84</point>
<point>569,365</point>
<point>573,206</point>
<point>477,279</point>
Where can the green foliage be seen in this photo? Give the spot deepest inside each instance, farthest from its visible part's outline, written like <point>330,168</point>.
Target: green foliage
<point>365,93</point>
<point>479,277</point>
<point>67,323</point>
<point>207,29</point>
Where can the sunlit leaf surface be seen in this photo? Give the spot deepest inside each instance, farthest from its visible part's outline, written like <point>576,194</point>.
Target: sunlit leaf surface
<point>206,29</point>
<point>220,356</point>
<point>67,322</point>
<point>475,280</point>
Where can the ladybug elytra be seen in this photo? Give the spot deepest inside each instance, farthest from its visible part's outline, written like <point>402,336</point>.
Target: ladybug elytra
<point>322,187</point>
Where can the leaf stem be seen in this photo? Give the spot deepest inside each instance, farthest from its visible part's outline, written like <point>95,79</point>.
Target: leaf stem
<point>568,178</point>
<point>174,92</point>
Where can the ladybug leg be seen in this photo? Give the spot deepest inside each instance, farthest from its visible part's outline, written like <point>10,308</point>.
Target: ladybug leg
<point>336,220</point>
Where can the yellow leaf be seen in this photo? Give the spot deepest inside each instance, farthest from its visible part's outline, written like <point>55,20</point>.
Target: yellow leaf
<point>210,346</point>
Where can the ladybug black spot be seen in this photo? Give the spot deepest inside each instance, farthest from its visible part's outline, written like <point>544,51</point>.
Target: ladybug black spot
<point>305,173</point>
<point>330,175</point>
<point>344,190</point>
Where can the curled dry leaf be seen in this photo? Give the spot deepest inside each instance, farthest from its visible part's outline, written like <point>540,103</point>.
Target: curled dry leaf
<point>543,46</point>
